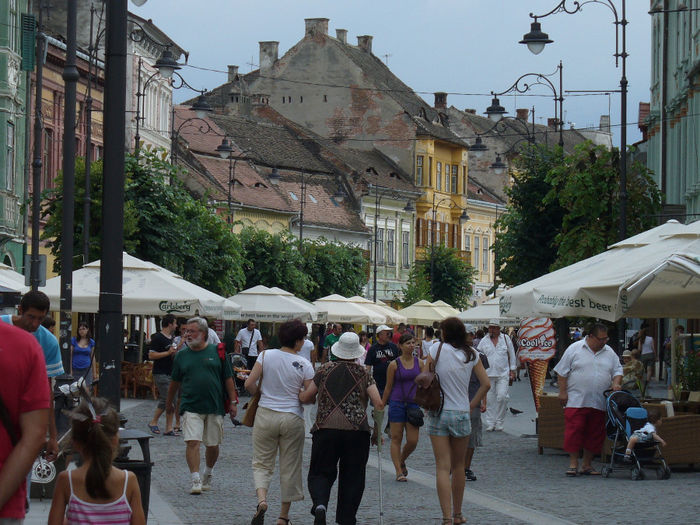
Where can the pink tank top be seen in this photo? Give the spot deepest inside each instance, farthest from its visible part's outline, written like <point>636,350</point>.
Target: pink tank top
<point>81,512</point>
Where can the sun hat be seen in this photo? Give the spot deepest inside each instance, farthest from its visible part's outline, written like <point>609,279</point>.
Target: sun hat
<point>383,328</point>
<point>495,322</point>
<point>626,353</point>
<point>348,346</point>
<point>469,328</point>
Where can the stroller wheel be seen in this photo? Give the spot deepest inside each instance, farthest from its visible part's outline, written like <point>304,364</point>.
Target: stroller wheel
<point>605,471</point>
<point>660,473</point>
<point>667,473</point>
<point>637,474</point>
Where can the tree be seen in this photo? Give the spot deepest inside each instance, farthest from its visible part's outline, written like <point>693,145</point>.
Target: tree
<point>452,278</point>
<point>524,247</point>
<point>563,209</point>
<point>334,268</point>
<point>587,185</point>
<point>163,224</point>
<point>273,260</point>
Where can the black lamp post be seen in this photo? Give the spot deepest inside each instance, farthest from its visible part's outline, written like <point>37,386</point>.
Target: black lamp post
<point>339,195</point>
<point>201,109</point>
<point>226,151</point>
<point>463,218</point>
<point>536,40</point>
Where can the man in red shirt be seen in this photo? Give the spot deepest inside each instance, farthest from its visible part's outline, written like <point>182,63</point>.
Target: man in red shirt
<point>399,332</point>
<point>24,415</point>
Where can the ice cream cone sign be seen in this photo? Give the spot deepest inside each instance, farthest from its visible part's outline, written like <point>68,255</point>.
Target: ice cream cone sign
<point>537,344</point>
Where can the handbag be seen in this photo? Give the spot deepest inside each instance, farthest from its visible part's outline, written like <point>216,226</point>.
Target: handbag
<point>428,391</point>
<point>252,405</point>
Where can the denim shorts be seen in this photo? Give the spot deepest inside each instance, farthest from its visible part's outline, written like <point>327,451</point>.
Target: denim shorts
<point>397,411</point>
<point>455,423</point>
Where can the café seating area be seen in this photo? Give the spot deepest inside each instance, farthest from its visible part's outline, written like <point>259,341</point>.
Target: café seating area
<point>137,379</point>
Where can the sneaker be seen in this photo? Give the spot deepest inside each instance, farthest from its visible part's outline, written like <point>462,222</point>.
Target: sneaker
<point>498,428</point>
<point>469,475</point>
<point>206,482</point>
<point>320,515</point>
<point>489,429</point>
<point>196,486</point>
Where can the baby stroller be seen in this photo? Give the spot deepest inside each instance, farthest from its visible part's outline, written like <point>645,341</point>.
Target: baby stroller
<point>625,414</point>
<point>240,372</point>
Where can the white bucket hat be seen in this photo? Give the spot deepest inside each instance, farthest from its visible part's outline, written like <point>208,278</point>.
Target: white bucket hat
<point>348,347</point>
<point>495,322</point>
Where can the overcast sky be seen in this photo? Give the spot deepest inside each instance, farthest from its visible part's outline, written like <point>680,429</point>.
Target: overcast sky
<point>458,46</point>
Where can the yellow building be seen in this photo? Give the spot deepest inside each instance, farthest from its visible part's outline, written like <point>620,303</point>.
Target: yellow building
<point>441,171</point>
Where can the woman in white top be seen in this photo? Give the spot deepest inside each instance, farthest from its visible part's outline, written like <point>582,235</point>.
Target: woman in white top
<point>279,421</point>
<point>449,429</point>
<point>646,350</point>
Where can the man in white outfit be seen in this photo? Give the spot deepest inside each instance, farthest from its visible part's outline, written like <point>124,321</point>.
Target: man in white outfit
<point>498,349</point>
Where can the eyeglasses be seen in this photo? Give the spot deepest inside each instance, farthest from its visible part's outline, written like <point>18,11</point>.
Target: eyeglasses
<point>601,339</point>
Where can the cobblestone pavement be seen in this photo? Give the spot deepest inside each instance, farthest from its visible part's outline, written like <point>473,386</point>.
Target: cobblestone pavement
<point>515,485</point>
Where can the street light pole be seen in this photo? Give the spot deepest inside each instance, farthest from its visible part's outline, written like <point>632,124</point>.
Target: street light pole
<point>34,278</point>
<point>70,78</point>
<point>111,268</point>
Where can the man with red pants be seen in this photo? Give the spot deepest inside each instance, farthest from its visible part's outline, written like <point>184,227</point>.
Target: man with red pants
<point>587,368</point>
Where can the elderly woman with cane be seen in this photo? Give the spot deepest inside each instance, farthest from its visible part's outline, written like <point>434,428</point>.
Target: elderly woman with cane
<point>341,433</point>
<point>454,362</point>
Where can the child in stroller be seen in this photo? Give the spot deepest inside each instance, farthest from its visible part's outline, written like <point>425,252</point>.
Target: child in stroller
<point>646,434</point>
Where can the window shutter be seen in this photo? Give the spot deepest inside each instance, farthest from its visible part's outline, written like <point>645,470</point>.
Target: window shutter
<point>28,42</point>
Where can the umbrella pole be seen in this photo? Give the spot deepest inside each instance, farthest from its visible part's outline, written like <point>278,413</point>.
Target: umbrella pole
<point>142,321</point>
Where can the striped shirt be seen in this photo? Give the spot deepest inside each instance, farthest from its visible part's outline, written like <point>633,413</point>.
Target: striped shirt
<point>81,512</point>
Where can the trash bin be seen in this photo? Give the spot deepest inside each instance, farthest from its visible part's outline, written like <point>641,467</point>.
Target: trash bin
<point>140,467</point>
<point>131,353</point>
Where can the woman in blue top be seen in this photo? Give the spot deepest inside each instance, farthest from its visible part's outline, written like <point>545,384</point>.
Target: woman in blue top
<point>81,348</point>
<point>399,392</point>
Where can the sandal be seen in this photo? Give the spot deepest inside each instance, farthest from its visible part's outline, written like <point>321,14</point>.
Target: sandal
<point>401,478</point>
<point>285,520</point>
<point>154,429</point>
<point>458,518</point>
<point>447,521</point>
<point>259,517</point>
<point>590,472</point>
<point>571,472</point>
<point>404,470</point>
<point>171,433</point>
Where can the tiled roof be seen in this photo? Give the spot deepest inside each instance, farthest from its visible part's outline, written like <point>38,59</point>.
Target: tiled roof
<point>477,191</point>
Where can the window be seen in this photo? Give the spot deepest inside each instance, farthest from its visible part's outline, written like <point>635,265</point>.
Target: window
<point>485,255</point>
<point>438,175</point>
<point>419,170</point>
<point>13,25</point>
<point>370,243</point>
<point>454,178</point>
<point>445,236</point>
<point>475,259</point>
<point>46,161</point>
<point>10,157</point>
<point>467,242</point>
<point>447,178</point>
<point>431,233</point>
<point>380,245</point>
<point>390,255</point>
<point>464,180</point>
<point>430,171</point>
<point>405,243</point>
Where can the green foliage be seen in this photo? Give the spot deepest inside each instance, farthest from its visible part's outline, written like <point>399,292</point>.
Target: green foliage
<point>52,213</point>
<point>273,260</point>
<point>452,278</point>
<point>334,268</point>
<point>587,185</point>
<point>564,209</point>
<point>524,246</point>
<point>163,224</point>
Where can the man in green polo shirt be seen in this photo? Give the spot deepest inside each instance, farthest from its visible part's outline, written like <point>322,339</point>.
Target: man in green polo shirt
<point>197,371</point>
<point>330,340</point>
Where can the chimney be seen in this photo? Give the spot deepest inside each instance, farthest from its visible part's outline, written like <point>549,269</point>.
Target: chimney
<point>316,26</point>
<point>440,100</point>
<point>552,123</point>
<point>605,123</point>
<point>470,111</point>
<point>522,114</point>
<point>342,35</point>
<point>268,54</point>
<point>232,73</point>
<point>364,42</point>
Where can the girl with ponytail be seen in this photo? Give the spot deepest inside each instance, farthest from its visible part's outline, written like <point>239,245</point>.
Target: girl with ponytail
<point>96,492</point>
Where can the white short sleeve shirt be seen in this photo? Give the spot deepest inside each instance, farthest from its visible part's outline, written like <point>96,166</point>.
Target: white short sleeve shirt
<point>454,375</point>
<point>501,356</point>
<point>305,350</point>
<point>283,376</point>
<point>588,374</point>
<point>244,337</point>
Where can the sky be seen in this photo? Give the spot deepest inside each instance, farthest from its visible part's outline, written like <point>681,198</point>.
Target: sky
<point>466,48</point>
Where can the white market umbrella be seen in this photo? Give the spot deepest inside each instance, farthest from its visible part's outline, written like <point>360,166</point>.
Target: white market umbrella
<point>392,316</point>
<point>446,308</point>
<point>273,305</point>
<point>424,313</point>
<point>483,313</point>
<point>147,289</point>
<point>653,274</point>
<point>320,314</point>
<point>11,279</point>
<point>342,310</point>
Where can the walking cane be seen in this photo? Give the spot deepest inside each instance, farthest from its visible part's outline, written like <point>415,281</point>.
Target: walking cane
<point>378,416</point>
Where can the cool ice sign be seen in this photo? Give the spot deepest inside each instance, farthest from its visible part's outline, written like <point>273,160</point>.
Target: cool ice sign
<point>536,339</point>
<point>175,307</point>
